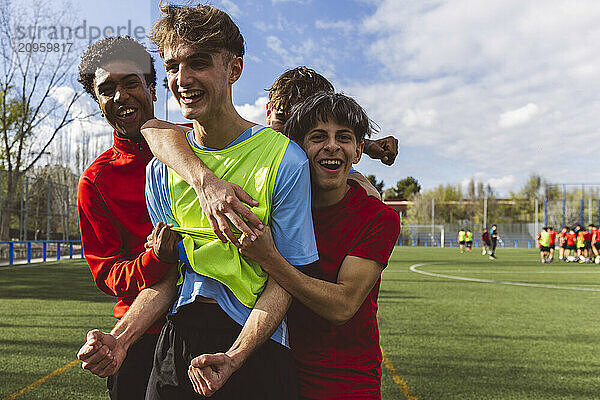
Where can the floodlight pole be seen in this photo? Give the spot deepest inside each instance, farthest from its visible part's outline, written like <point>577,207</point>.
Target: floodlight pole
<point>484,213</point>
<point>536,216</point>
<point>432,217</point>
<point>545,207</point>
<point>564,205</point>
<point>581,209</point>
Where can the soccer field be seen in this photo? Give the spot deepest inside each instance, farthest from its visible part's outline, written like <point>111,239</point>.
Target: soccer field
<point>517,329</point>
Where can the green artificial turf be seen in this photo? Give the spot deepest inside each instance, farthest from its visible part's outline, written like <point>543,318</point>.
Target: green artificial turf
<point>446,338</point>
<point>457,339</point>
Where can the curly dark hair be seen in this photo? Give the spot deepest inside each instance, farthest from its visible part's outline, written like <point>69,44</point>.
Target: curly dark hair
<point>110,49</point>
<point>203,27</point>
<point>320,107</point>
<point>294,86</point>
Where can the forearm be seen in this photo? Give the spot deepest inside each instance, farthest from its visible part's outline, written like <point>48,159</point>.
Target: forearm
<point>121,277</point>
<point>332,301</point>
<point>366,184</point>
<point>267,314</point>
<point>169,144</point>
<point>149,305</point>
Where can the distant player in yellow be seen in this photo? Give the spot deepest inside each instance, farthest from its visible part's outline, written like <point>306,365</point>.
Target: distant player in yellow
<point>544,244</point>
<point>462,235</point>
<point>469,239</point>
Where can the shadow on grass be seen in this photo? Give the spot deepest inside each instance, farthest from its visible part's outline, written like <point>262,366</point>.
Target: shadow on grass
<point>70,280</point>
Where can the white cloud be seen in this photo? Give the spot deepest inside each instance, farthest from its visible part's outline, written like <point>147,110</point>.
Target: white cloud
<point>306,53</point>
<point>254,112</point>
<point>345,26</point>
<point>519,116</point>
<point>291,1</point>
<point>453,76</point>
<point>174,110</point>
<point>231,8</point>
<point>502,183</point>
<point>417,117</point>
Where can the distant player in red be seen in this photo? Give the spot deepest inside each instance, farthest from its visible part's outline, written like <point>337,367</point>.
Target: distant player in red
<point>486,242</point>
<point>333,320</point>
<point>552,243</point>
<point>586,235</point>
<point>562,243</point>
<point>595,242</point>
<point>570,239</point>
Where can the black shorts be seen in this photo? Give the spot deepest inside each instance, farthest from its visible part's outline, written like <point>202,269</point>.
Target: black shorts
<point>488,243</point>
<point>469,243</point>
<point>200,328</point>
<point>544,248</point>
<point>597,246</point>
<point>461,242</point>
<point>571,247</point>
<point>587,244</point>
<point>130,381</point>
<point>564,245</point>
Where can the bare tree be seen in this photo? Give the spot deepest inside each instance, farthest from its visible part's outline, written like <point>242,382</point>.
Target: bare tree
<point>36,92</point>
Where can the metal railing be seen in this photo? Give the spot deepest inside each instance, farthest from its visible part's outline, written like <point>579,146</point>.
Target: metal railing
<point>26,251</point>
<point>428,242</point>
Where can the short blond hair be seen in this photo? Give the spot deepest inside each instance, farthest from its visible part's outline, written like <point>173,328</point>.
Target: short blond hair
<point>202,27</point>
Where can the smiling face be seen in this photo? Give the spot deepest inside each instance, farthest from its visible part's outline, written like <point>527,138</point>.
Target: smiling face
<point>125,100</point>
<point>200,81</point>
<point>331,150</point>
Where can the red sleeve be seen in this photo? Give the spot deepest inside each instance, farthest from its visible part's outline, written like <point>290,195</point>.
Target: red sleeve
<point>378,240</point>
<point>115,272</point>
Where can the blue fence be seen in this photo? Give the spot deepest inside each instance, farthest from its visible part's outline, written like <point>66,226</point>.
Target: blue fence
<point>428,242</point>
<point>26,251</point>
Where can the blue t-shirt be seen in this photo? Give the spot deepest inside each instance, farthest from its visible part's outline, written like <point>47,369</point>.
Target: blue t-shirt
<point>291,225</point>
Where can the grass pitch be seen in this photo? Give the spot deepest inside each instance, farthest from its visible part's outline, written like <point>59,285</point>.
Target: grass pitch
<point>444,338</point>
<point>461,339</point>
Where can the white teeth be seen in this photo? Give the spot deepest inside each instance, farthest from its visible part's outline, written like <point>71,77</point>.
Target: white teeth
<point>191,94</point>
<point>126,112</point>
<point>330,162</point>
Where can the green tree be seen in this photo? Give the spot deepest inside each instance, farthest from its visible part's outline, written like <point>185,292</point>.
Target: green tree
<point>36,98</point>
<point>407,187</point>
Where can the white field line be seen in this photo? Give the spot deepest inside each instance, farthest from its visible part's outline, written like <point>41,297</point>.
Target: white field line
<point>414,267</point>
<point>502,272</point>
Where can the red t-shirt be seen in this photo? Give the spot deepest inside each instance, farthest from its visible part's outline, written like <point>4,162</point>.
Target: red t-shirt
<point>587,235</point>
<point>344,362</point>
<point>485,237</point>
<point>562,236</point>
<point>570,237</point>
<point>596,231</point>
<point>553,236</point>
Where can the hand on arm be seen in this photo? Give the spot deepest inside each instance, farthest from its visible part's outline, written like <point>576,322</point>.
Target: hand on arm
<point>221,201</point>
<point>107,253</point>
<point>335,301</point>
<point>209,372</point>
<point>103,353</point>
<point>385,149</point>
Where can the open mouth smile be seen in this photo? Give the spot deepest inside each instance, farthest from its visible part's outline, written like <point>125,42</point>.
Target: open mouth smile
<point>331,164</point>
<point>191,96</point>
<point>126,113</point>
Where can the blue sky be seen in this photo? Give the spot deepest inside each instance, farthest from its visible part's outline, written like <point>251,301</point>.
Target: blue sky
<point>490,90</point>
